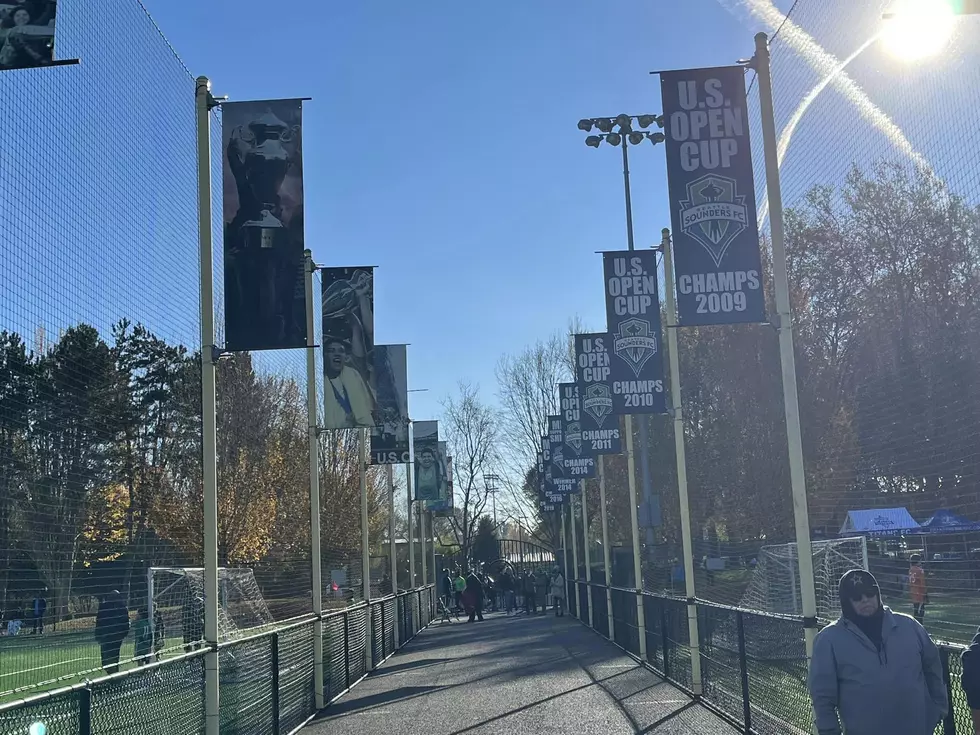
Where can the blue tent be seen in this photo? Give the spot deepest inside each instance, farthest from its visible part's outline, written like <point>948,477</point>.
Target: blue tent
<point>878,522</point>
<point>946,521</point>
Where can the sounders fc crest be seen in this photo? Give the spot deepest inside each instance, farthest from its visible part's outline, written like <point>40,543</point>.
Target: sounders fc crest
<point>573,436</point>
<point>598,402</point>
<point>634,343</point>
<point>713,214</point>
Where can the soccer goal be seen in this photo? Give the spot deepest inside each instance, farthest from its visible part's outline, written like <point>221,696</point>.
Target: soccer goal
<point>775,587</point>
<point>175,598</point>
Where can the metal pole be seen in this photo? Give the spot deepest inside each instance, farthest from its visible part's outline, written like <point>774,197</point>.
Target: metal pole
<point>784,327</point>
<point>425,557</point>
<point>362,466</point>
<point>209,420</point>
<point>588,560</point>
<point>571,513</point>
<point>315,556</point>
<point>681,457</point>
<point>564,549</point>
<point>626,182</point>
<point>411,541</point>
<point>392,545</point>
<point>637,567</point>
<point>606,552</point>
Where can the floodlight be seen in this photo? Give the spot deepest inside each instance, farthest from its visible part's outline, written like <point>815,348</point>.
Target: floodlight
<point>636,138</point>
<point>604,124</point>
<point>593,141</point>
<point>646,121</point>
<point>623,120</point>
<point>585,125</point>
<point>614,139</point>
<point>656,138</point>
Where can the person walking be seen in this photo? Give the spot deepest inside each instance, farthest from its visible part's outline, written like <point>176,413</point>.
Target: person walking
<point>875,671</point>
<point>917,588</point>
<point>473,596</point>
<point>111,628</point>
<point>507,588</point>
<point>542,582</point>
<point>460,585</point>
<point>558,592</point>
<point>447,588</point>
<point>530,594</point>
<point>970,680</point>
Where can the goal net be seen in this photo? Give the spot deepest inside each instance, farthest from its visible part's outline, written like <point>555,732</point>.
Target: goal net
<point>176,600</point>
<point>775,585</point>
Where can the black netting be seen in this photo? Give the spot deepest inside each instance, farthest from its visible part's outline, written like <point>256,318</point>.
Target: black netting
<point>600,611</point>
<point>776,661</point>
<point>378,646</point>
<point>624,617</point>
<point>357,642</point>
<point>583,602</point>
<point>571,598</point>
<point>60,713</point>
<point>334,656</point>
<point>721,678</point>
<point>390,621</point>
<point>652,614</point>
<point>245,677</point>
<point>160,700</point>
<point>296,702</point>
<point>959,718</point>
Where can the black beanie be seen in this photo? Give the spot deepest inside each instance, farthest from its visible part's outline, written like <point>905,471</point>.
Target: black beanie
<point>859,580</point>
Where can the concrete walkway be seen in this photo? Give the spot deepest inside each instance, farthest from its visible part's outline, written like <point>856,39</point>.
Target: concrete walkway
<point>514,675</point>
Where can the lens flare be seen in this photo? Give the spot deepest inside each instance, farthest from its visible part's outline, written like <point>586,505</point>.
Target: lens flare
<point>915,29</point>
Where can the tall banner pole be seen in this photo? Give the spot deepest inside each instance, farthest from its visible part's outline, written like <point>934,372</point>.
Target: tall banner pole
<point>588,559</point>
<point>606,553</point>
<point>681,458</point>
<point>362,466</point>
<point>392,545</point>
<point>432,532</point>
<point>425,556</point>
<point>784,328</point>
<point>209,432</point>
<point>564,548</point>
<point>571,513</point>
<point>411,540</point>
<point>315,556</point>
<point>637,566</point>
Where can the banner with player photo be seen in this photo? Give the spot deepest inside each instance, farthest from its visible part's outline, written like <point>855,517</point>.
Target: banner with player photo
<point>580,460</point>
<point>389,437</point>
<point>600,428</point>
<point>546,483</point>
<point>561,480</point>
<point>28,34</point>
<point>265,293</point>
<point>636,372</point>
<point>430,475</point>
<point>349,384</point>
<point>712,197</point>
<point>444,501</point>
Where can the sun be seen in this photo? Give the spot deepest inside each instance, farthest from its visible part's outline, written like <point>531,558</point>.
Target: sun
<point>915,29</point>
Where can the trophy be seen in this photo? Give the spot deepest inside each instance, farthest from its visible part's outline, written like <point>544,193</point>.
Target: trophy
<point>260,160</point>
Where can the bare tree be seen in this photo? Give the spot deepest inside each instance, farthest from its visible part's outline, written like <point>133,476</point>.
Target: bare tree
<point>471,429</point>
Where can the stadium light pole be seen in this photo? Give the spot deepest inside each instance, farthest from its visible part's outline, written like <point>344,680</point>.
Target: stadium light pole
<point>623,131</point>
<point>783,320</point>
<point>209,439</point>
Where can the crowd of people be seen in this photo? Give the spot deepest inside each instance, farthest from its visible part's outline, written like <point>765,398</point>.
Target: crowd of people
<point>511,591</point>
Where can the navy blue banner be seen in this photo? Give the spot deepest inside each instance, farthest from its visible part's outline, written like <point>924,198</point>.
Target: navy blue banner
<point>636,373</point>
<point>580,460</point>
<point>600,428</point>
<point>562,481</point>
<point>546,485</point>
<point>712,197</point>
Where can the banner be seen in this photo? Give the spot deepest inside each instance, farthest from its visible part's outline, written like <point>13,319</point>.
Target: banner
<point>636,372</point>
<point>712,197</point>
<point>443,501</point>
<point>580,460</point>
<point>549,490</point>
<point>561,480</point>
<point>28,34</point>
<point>389,437</point>
<point>349,385</point>
<point>429,474</point>
<point>600,427</point>
<point>265,294</point>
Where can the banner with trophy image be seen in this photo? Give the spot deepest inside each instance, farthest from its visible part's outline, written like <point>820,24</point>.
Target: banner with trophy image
<point>562,481</point>
<point>265,301</point>
<point>600,428</point>
<point>28,38</point>
<point>444,502</point>
<point>580,460</point>
<point>349,382</point>
<point>430,474</point>
<point>389,437</point>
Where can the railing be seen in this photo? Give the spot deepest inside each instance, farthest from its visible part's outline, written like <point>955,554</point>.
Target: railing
<point>753,664</point>
<point>266,680</point>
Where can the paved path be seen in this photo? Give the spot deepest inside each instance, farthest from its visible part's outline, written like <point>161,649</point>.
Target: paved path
<point>514,675</point>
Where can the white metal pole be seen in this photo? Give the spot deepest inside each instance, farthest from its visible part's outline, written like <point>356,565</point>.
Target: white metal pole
<point>362,466</point>
<point>681,457</point>
<point>571,513</point>
<point>411,540</point>
<point>422,533</point>
<point>637,566</point>
<point>588,558</point>
<point>564,550</point>
<point>315,556</point>
<point>392,545</point>
<point>606,551</point>
<point>784,327</point>
<point>209,420</point>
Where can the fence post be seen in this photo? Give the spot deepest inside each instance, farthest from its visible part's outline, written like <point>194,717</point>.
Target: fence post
<point>571,513</point>
<point>634,523</point>
<point>743,670</point>
<point>362,468</point>
<point>949,721</point>
<point>607,564</point>
<point>347,650</point>
<point>85,711</point>
<point>275,683</point>
<point>392,545</point>
<point>588,557</point>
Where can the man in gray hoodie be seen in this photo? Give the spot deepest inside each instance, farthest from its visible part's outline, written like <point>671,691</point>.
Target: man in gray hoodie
<point>874,671</point>
<point>971,679</point>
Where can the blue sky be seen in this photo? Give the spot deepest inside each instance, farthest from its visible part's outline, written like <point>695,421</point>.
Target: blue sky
<point>441,145</point>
